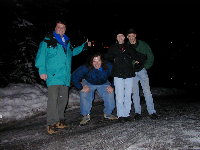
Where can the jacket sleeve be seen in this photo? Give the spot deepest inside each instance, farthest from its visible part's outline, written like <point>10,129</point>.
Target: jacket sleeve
<point>109,65</point>
<point>40,61</point>
<point>150,57</point>
<point>77,50</point>
<point>78,75</point>
<point>141,58</point>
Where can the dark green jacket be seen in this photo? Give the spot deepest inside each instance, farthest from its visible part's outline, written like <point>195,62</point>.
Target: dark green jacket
<point>145,49</point>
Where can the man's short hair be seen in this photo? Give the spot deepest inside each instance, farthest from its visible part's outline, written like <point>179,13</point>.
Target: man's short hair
<point>131,30</point>
<point>61,21</point>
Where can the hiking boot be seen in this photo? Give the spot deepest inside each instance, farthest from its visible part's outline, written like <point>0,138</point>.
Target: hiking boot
<point>61,125</point>
<point>51,129</point>
<point>85,119</point>
<point>110,117</point>
<point>153,116</point>
<point>137,116</point>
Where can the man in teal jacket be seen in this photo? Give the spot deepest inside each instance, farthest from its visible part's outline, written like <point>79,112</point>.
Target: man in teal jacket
<point>54,63</point>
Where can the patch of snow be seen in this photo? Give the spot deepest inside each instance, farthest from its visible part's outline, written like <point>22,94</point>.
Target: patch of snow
<point>19,101</point>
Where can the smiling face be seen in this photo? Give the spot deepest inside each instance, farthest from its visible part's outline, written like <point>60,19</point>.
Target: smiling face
<point>120,38</point>
<point>132,38</point>
<point>97,62</point>
<point>60,29</point>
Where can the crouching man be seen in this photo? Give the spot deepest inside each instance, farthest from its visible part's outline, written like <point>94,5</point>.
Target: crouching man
<point>90,77</point>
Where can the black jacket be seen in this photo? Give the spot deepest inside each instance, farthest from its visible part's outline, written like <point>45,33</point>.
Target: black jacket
<point>122,56</point>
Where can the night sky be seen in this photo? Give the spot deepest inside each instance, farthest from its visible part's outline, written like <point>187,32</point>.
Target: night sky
<point>171,30</point>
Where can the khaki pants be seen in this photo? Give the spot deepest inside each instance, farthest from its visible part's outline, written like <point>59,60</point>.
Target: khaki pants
<point>57,101</point>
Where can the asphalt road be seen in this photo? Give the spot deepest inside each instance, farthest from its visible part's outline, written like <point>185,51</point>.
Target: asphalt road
<point>178,127</point>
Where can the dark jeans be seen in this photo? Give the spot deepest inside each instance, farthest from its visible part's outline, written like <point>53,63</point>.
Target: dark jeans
<point>56,104</point>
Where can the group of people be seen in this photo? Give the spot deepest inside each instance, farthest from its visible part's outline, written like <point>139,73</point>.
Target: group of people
<point>126,62</point>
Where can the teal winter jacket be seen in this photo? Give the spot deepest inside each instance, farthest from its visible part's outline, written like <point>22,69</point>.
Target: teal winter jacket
<point>55,61</point>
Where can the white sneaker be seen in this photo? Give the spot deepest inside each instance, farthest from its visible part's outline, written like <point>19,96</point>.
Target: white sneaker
<point>110,117</point>
<point>85,119</point>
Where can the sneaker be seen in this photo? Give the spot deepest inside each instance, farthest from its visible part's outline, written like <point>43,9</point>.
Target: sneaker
<point>137,116</point>
<point>85,119</point>
<point>61,125</point>
<point>110,117</point>
<point>51,129</point>
<point>153,116</point>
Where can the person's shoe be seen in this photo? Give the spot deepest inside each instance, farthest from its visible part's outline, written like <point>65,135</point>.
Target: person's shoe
<point>51,129</point>
<point>128,118</point>
<point>121,119</point>
<point>110,117</point>
<point>61,125</point>
<point>137,116</point>
<point>153,116</point>
<point>85,119</point>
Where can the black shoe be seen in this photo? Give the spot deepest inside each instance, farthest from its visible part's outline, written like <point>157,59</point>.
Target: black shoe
<point>137,116</point>
<point>128,118</point>
<point>153,116</point>
<point>121,119</point>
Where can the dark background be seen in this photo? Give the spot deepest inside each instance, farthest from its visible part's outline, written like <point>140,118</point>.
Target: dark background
<point>171,30</point>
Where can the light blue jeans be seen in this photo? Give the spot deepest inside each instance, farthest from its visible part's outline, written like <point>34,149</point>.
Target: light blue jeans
<point>87,98</point>
<point>142,76</point>
<point>123,91</point>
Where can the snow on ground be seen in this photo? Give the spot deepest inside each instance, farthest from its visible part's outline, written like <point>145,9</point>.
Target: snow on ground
<point>176,129</point>
<point>20,101</point>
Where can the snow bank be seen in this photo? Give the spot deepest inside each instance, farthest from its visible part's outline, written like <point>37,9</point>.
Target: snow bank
<point>20,101</point>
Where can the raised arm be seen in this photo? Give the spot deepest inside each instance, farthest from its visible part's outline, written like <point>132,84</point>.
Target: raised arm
<point>77,50</point>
